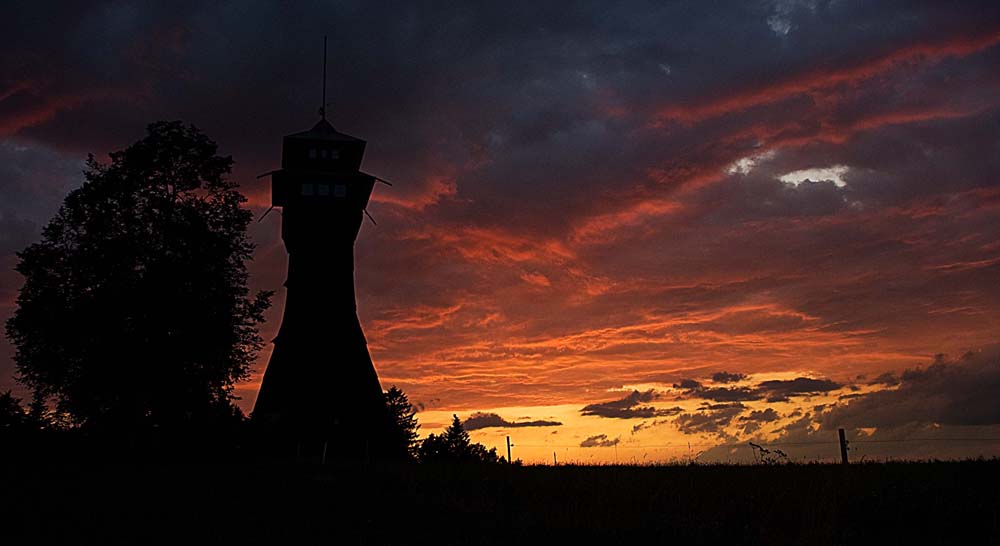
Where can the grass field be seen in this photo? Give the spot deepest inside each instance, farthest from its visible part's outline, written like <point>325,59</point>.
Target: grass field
<point>873,503</point>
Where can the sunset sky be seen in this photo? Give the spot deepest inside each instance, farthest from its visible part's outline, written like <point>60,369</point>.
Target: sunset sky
<point>615,229</point>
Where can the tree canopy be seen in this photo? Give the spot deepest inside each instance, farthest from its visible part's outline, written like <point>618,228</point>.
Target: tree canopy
<point>135,309</point>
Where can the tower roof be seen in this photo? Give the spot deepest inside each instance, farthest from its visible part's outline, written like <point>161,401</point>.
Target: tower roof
<point>324,131</point>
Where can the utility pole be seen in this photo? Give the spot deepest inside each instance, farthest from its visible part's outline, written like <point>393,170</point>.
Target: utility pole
<point>843,446</point>
<point>509,460</point>
<point>554,461</point>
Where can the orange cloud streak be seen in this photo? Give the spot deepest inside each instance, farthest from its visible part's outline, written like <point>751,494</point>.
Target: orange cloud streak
<point>44,107</point>
<point>815,80</point>
<point>437,188</point>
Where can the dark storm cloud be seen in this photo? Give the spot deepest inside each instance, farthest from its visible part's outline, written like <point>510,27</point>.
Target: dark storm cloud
<point>773,391</point>
<point>711,419</point>
<point>600,440</point>
<point>726,377</point>
<point>688,384</point>
<point>960,392</point>
<point>764,416</point>
<point>530,93</point>
<point>944,410</point>
<point>657,422</point>
<point>481,420</point>
<point>781,390</point>
<point>753,421</point>
<point>733,394</point>
<point>629,407</point>
<point>887,378</point>
<point>539,75</point>
<point>887,167</point>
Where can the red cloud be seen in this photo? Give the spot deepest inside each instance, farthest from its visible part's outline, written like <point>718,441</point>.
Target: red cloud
<point>814,81</point>
<point>492,245</point>
<point>435,189</point>
<point>37,111</point>
<point>27,104</point>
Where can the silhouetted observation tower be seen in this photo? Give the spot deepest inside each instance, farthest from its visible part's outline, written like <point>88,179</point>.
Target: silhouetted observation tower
<point>320,384</point>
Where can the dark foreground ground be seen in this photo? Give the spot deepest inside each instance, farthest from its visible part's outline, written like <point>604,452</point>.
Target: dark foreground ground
<point>898,503</point>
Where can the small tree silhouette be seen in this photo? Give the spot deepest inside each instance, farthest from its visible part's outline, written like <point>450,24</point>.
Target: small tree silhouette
<point>454,445</point>
<point>13,417</point>
<point>456,439</point>
<point>402,436</point>
<point>135,310</point>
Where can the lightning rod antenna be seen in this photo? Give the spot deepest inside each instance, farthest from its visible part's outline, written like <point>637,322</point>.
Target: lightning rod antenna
<point>322,107</point>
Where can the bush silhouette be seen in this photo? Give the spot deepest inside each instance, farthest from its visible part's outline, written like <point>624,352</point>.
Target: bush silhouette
<point>135,310</point>
<point>13,416</point>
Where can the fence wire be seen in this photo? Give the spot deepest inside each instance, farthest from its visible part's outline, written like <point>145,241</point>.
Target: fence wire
<point>767,444</point>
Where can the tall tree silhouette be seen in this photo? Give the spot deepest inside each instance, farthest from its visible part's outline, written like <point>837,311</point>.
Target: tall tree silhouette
<point>135,309</point>
<point>402,436</point>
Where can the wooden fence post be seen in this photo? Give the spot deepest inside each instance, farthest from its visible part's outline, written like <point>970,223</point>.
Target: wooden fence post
<point>843,446</point>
